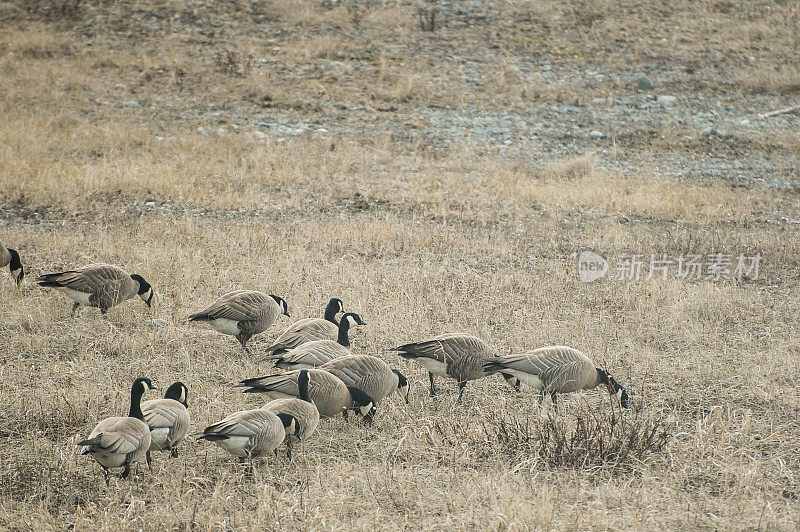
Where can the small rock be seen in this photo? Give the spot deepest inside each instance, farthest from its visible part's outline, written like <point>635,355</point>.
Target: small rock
<point>709,131</point>
<point>132,103</point>
<point>221,131</point>
<point>259,135</point>
<point>644,83</point>
<point>665,100</point>
<point>150,203</point>
<point>595,135</point>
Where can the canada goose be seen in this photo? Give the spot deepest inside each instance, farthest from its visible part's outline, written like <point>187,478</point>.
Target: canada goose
<point>242,313</point>
<point>121,441</point>
<point>457,355</point>
<point>168,419</point>
<point>9,257</point>
<point>310,329</point>
<point>370,374</point>
<point>248,434</point>
<point>329,394</point>
<point>299,416</point>
<point>557,369</point>
<point>98,285</point>
<point>312,354</point>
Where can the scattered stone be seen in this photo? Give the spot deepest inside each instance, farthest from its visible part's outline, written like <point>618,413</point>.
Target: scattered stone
<point>644,83</point>
<point>665,100</point>
<point>595,135</point>
<point>709,132</point>
<point>221,131</point>
<point>132,103</point>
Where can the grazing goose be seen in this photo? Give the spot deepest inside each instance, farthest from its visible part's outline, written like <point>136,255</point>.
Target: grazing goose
<point>329,394</point>
<point>248,434</point>
<point>10,257</point>
<point>121,441</point>
<point>312,354</point>
<point>98,285</point>
<point>242,313</point>
<point>457,355</point>
<point>556,369</point>
<point>370,374</point>
<point>168,419</point>
<point>299,416</point>
<point>310,329</point>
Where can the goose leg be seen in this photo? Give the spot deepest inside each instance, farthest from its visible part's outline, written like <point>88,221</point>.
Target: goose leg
<point>104,312</point>
<point>433,386</point>
<point>289,445</point>
<point>461,386</point>
<point>555,401</point>
<point>541,396</point>
<point>174,452</point>
<point>344,415</point>
<point>126,471</point>
<point>74,309</point>
<point>149,460</point>
<point>105,475</point>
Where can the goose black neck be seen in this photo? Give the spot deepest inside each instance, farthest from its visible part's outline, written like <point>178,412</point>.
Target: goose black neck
<point>136,402</point>
<point>302,384</point>
<point>344,338</point>
<point>15,263</point>
<point>602,376</point>
<point>359,396</point>
<point>330,312</point>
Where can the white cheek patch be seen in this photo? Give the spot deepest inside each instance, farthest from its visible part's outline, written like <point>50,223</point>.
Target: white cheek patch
<point>147,295</point>
<point>352,321</point>
<point>183,395</point>
<point>366,409</point>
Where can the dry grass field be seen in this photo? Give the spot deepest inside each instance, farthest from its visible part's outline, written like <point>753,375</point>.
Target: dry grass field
<point>129,134</point>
